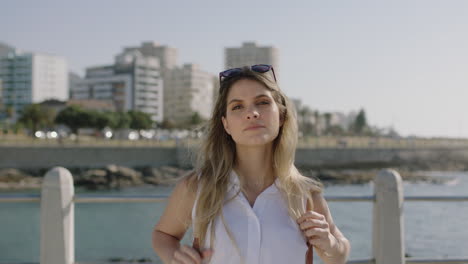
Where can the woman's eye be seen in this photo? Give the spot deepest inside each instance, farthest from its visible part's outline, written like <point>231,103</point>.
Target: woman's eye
<point>259,103</point>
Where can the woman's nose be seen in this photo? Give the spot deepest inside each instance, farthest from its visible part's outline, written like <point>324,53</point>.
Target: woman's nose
<point>252,113</point>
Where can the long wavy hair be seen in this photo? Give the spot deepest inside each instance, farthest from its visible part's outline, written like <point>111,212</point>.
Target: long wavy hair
<point>217,153</point>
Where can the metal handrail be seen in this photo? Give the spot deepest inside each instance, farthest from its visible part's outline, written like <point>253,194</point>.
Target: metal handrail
<point>19,198</point>
<point>119,198</point>
<point>106,198</point>
<point>436,261</point>
<point>436,198</point>
<point>368,198</point>
<point>361,261</point>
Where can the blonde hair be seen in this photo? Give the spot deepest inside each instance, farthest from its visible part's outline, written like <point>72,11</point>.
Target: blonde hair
<point>217,153</point>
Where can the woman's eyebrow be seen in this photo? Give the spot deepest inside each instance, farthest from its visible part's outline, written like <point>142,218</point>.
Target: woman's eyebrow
<point>239,100</point>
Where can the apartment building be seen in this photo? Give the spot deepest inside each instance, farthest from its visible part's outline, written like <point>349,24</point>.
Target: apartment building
<point>32,78</point>
<point>133,82</point>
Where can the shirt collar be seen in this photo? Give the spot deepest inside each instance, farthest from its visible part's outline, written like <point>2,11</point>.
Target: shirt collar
<point>235,183</point>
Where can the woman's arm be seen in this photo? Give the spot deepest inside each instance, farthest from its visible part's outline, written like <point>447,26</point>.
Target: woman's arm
<point>332,246</point>
<point>174,221</point>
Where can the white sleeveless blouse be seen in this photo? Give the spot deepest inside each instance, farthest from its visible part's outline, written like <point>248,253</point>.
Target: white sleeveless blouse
<point>264,233</point>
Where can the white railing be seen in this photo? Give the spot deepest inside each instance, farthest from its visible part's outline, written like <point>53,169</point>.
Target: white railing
<point>57,201</point>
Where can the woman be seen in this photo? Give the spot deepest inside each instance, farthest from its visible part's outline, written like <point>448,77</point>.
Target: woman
<point>246,201</point>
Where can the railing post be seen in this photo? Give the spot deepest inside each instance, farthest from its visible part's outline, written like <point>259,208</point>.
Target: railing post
<point>388,232</point>
<point>57,218</point>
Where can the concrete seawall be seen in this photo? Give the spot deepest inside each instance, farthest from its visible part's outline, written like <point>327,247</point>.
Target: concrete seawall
<point>46,157</point>
<point>69,157</point>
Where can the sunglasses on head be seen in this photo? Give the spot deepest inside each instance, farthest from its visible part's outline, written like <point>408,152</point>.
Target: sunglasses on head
<point>261,68</point>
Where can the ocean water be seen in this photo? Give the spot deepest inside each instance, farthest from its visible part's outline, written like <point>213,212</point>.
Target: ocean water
<point>123,230</point>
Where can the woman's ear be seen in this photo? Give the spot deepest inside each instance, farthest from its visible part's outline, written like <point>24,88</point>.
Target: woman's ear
<point>225,124</point>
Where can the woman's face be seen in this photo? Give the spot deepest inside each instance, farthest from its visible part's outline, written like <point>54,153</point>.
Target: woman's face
<point>252,115</point>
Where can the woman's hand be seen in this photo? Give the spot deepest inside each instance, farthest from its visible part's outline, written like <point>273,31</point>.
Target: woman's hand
<point>188,255</point>
<point>317,231</point>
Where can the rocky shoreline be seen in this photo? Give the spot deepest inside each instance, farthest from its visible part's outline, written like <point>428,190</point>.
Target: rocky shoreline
<point>118,177</point>
<point>107,178</point>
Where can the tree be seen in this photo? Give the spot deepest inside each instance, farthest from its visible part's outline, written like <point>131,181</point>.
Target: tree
<point>305,125</point>
<point>360,123</point>
<point>336,130</point>
<point>316,122</point>
<point>34,116</point>
<point>168,124</point>
<point>73,117</point>
<point>195,119</point>
<point>327,117</point>
<point>101,119</point>
<point>120,120</point>
<point>140,120</point>
<point>10,111</point>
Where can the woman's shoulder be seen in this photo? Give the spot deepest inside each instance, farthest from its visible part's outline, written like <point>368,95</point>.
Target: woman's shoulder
<point>176,217</point>
<point>188,184</point>
<point>185,190</point>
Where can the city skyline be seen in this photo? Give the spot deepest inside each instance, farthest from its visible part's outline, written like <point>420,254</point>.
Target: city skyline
<point>404,62</point>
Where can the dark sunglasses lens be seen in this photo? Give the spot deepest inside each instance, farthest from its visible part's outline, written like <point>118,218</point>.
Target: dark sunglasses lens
<point>230,72</point>
<point>261,68</point>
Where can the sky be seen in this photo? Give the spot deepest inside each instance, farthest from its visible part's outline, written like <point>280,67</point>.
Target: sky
<point>405,62</point>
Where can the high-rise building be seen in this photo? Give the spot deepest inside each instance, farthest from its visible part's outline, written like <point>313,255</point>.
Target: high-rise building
<point>6,49</point>
<point>187,89</point>
<point>216,84</point>
<point>32,78</point>
<point>73,80</point>
<point>102,83</point>
<point>167,55</point>
<point>133,82</point>
<point>190,93</point>
<point>1,99</point>
<point>250,54</point>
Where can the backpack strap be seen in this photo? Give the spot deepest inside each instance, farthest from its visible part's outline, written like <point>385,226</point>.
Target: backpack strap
<point>309,257</point>
<point>196,244</point>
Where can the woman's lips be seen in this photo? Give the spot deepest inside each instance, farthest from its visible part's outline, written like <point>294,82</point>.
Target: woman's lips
<point>254,127</point>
